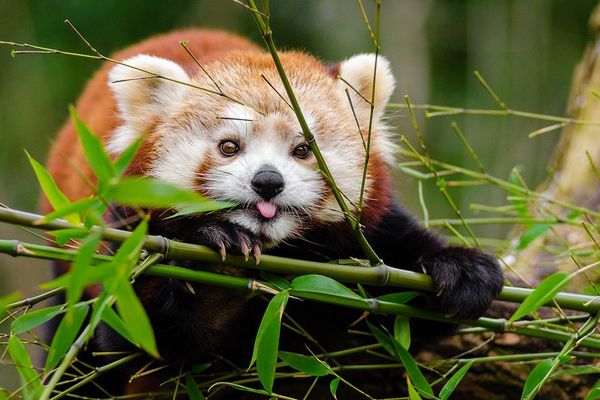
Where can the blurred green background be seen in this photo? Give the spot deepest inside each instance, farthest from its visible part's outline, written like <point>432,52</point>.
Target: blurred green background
<point>526,49</point>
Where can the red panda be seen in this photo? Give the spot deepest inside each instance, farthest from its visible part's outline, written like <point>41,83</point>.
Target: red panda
<point>251,150</point>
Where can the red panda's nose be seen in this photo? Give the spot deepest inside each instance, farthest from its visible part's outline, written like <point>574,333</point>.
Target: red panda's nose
<point>268,182</point>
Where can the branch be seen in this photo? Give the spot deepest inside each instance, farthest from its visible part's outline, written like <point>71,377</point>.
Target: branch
<point>382,275</point>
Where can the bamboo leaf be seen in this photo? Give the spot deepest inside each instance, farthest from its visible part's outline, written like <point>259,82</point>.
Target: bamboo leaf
<point>594,393</point>
<point>193,391</point>
<point>6,300</point>
<point>75,208</point>
<point>402,331</point>
<point>204,207</point>
<point>129,253</point>
<point>307,364</point>
<point>520,205</point>
<point>383,338</point>
<point>241,388</point>
<point>35,318</point>
<point>137,321</point>
<point>65,335</point>
<point>126,157</point>
<point>96,156</point>
<point>63,236</point>
<point>32,384</point>
<point>266,343</point>
<point>112,319</point>
<point>412,392</point>
<point>545,291</point>
<point>532,233</point>
<point>55,196</point>
<point>148,192</point>
<point>276,281</point>
<point>400,297</point>
<point>453,382</point>
<point>413,371</point>
<point>537,376</point>
<point>319,286</point>
<point>80,270</point>
<point>333,386</point>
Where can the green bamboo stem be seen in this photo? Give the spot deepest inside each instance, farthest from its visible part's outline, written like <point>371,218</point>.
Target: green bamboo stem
<point>267,35</point>
<point>509,187</point>
<point>97,372</point>
<point>85,335</point>
<point>518,357</point>
<point>433,110</point>
<point>381,275</point>
<point>502,220</point>
<point>371,305</point>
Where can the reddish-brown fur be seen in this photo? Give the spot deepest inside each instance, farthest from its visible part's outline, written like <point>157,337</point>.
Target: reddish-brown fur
<point>98,109</point>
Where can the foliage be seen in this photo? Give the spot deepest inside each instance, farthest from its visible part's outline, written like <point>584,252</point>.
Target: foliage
<point>114,274</point>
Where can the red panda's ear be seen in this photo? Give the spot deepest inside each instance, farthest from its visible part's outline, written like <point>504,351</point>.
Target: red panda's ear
<point>142,94</point>
<point>357,74</point>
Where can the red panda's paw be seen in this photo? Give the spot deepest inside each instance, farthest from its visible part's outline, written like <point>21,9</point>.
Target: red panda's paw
<point>230,238</point>
<point>466,280</point>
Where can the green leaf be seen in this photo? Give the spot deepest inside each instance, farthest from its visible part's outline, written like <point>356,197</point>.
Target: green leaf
<point>55,196</point>
<point>35,318</point>
<point>204,207</point>
<point>135,316</point>
<point>333,386</point>
<point>63,236</point>
<point>241,388</point>
<point>96,156</point>
<point>112,319</point>
<point>594,393</point>
<point>402,331</point>
<point>412,392</point>
<point>81,269</point>
<point>128,254</point>
<point>76,208</point>
<point>200,368</point>
<point>400,297</point>
<point>382,337</point>
<point>413,371</point>
<point>545,291</point>
<point>32,384</point>
<point>532,233</point>
<point>126,157</point>
<point>274,280</point>
<point>266,343</point>
<point>453,382</point>
<point>514,178</point>
<point>319,287</point>
<point>148,192</point>
<point>536,378</point>
<point>6,300</point>
<point>308,364</point>
<point>65,335</point>
<point>193,391</point>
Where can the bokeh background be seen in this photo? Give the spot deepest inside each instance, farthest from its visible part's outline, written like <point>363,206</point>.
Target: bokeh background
<point>526,49</point>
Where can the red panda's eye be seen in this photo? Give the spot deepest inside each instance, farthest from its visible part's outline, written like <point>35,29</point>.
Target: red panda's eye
<point>229,147</point>
<point>301,151</point>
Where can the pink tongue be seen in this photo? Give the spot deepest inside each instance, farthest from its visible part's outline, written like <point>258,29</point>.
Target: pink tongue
<point>266,209</point>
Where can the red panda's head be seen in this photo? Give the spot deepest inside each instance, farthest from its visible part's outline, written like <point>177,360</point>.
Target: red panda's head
<point>254,152</point>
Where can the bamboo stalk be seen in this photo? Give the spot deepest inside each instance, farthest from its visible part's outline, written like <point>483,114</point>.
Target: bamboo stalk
<point>382,275</point>
<point>267,35</point>
<point>370,305</point>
